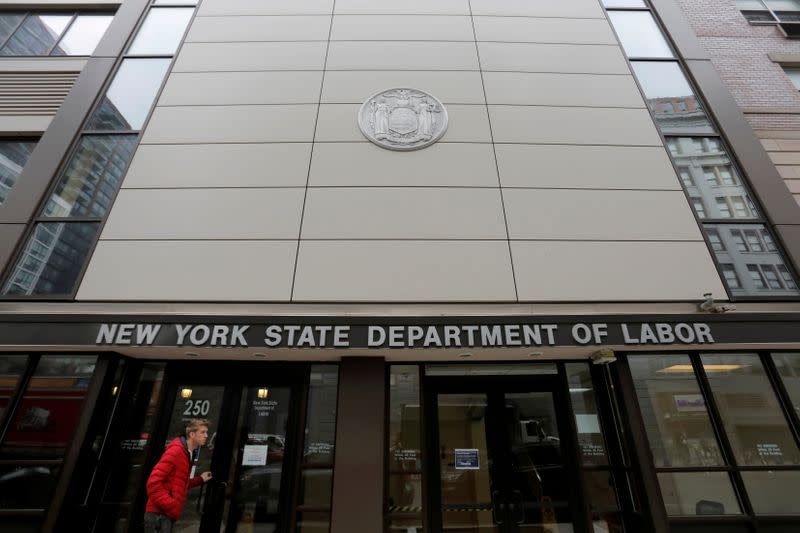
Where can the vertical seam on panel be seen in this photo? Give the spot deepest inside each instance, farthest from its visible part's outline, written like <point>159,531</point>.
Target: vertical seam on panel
<point>311,153</point>
<point>494,152</point>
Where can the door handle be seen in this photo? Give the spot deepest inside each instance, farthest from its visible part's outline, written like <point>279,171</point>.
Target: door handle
<point>517,504</point>
<point>498,508</point>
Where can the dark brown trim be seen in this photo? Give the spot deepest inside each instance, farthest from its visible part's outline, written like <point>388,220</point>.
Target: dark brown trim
<point>121,29</point>
<point>641,454</point>
<point>357,501</point>
<point>684,40</point>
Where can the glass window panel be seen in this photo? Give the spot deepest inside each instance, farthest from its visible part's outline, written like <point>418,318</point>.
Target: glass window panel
<point>788,365</point>
<point>321,416</point>
<point>83,35</point>
<point>92,177</point>
<point>405,443</point>
<point>14,156</point>
<point>404,523</point>
<point>696,494</point>
<point>26,487</point>
<point>639,34</point>
<point>51,406</point>
<point>175,2</point>
<point>8,22</point>
<point>752,417</point>
<point>129,98</point>
<point>624,3</point>
<point>674,411</point>
<point>783,5</point>
<point>162,31</point>
<point>315,486</point>
<point>794,75</point>
<point>405,493</point>
<point>36,35</point>
<point>750,259</point>
<point>722,189</point>
<point>313,522</point>
<point>587,420</point>
<point>128,464</point>
<point>773,492</point>
<point>599,487</point>
<point>664,82</point>
<point>52,258</point>
<point>11,369</point>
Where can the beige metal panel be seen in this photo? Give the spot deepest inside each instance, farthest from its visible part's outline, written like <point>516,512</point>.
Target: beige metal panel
<point>443,164</point>
<point>234,124</point>
<point>190,271</point>
<point>401,28</point>
<point>576,125</point>
<point>528,8</point>
<point>42,64</point>
<point>339,122</point>
<point>544,30</point>
<point>403,213</point>
<point>259,28</point>
<point>585,167</point>
<point>398,55</point>
<point>410,7</point>
<point>25,124</point>
<point>581,214</point>
<point>614,271</point>
<point>205,214</point>
<point>417,271</point>
<point>351,87</point>
<point>527,57</point>
<point>228,88</point>
<point>218,165</point>
<point>591,90</point>
<point>265,7</point>
<point>218,57</point>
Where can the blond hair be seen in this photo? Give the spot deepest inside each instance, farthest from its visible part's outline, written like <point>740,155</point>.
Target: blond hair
<point>195,424</point>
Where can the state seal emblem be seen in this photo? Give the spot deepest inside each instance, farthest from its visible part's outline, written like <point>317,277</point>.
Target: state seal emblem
<point>402,119</point>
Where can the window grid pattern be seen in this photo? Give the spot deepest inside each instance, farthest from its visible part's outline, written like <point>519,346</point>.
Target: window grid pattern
<point>783,13</point>
<point>724,435</point>
<point>62,237</point>
<point>748,259</point>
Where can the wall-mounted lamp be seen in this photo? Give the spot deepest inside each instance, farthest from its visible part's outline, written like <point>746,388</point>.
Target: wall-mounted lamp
<point>114,390</point>
<point>186,393</point>
<point>263,393</point>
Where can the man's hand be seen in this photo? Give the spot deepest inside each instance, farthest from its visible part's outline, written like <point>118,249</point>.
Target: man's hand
<point>206,476</point>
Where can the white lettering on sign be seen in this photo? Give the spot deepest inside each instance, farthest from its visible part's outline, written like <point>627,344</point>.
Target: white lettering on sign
<point>406,336</point>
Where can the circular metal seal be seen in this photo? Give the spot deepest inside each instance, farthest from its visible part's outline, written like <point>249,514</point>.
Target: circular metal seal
<point>402,119</point>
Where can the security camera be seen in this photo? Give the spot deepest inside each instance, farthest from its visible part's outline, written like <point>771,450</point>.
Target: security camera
<point>710,306</point>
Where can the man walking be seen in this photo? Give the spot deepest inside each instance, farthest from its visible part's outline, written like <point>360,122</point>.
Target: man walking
<point>169,482</point>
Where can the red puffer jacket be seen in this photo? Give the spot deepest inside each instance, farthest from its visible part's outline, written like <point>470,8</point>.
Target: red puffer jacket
<point>169,482</point>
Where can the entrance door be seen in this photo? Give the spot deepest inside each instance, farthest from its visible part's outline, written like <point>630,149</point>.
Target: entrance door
<point>249,453</point>
<point>504,459</point>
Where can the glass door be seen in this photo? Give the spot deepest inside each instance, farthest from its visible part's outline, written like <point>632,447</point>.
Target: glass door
<point>253,428</point>
<point>502,458</point>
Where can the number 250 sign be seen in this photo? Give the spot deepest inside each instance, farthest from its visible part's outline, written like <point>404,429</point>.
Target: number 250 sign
<point>196,407</point>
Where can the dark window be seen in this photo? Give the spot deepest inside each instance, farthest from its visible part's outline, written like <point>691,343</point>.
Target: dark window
<point>14,156</point>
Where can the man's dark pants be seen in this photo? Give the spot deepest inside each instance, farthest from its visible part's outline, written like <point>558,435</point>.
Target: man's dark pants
<point>157,523</point>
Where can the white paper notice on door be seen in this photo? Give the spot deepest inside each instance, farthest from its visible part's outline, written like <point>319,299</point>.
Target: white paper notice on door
<point>254,455</point>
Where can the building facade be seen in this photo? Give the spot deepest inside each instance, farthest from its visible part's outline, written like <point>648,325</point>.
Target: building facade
<point>425,266</point>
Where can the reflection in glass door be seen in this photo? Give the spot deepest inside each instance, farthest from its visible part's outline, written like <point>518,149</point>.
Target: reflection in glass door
<point>501,463</point>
